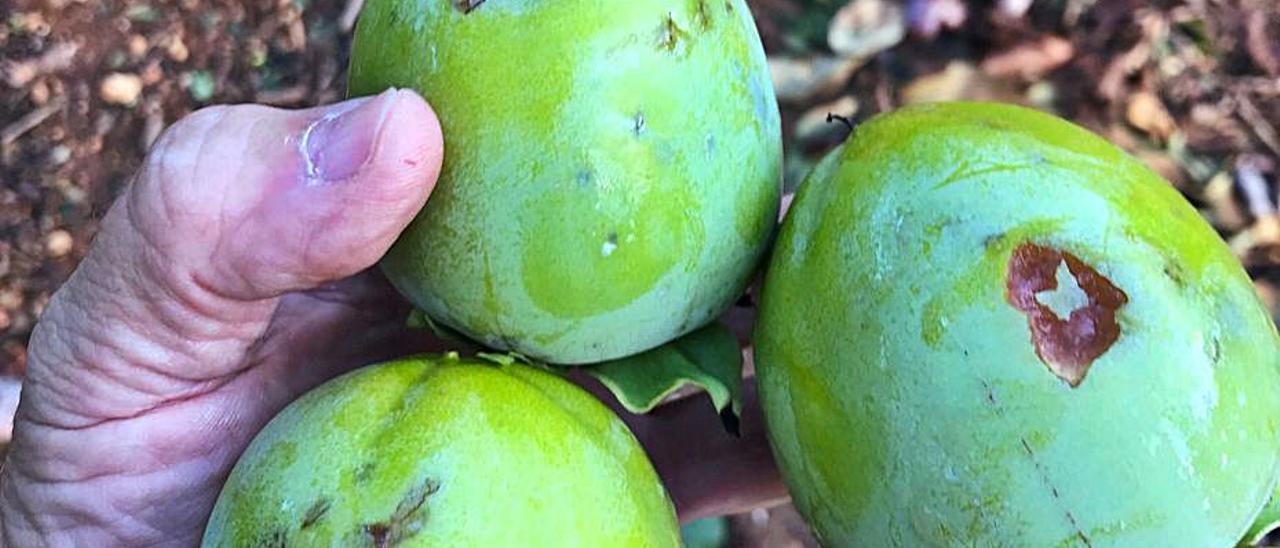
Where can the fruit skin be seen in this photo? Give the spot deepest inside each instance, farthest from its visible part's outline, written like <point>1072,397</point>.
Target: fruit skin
<point>905,401</point>
<point>612,170</point>
<point>497,455</point>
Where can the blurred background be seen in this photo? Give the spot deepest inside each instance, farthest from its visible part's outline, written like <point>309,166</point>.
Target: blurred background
<point>1190,87</point>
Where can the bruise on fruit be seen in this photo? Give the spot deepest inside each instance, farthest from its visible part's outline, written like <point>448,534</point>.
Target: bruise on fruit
<point>407,519</point>
<point>1068,346</point>
<point>315,512</point>
<point>467,6</point>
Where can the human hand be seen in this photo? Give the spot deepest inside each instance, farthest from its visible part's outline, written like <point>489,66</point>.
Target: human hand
<point>233,275</point>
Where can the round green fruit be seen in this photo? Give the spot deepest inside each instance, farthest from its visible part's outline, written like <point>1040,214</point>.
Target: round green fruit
<point>438,451</point>
<point>611,174</point>
<point>983,325</point>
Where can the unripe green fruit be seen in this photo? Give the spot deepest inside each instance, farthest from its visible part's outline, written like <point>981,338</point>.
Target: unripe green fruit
<point>444,452</point>
<point>611,173</point>
<point>983,325</point>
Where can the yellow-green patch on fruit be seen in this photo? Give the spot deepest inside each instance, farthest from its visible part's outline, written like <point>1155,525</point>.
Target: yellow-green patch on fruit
<point>611,174</point>
<point>983,325</point>
<point>438,451</point>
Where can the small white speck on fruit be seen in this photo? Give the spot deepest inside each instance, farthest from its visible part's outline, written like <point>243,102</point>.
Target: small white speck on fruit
<point>607,248</point>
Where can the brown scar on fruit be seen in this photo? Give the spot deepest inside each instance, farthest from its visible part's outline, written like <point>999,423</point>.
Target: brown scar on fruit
<point>1068,346</point>
<point>407,519</point>
<point>467,6</point>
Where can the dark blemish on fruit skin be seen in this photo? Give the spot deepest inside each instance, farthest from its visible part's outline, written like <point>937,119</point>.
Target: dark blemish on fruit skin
<point>990,242</point>
<point>1068,347</point>
<point>277,539</point>
<point>670,34</point>
<point>703,14</point>
<point>363,472</point>
<point>467,6</point>
<point>315,512</point>
<point>1175,273</point>
<point>638,125</point>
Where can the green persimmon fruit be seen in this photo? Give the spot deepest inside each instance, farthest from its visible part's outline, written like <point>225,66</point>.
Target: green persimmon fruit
<point>612,170</point>
<point>983,325</point>
<point>442,451</point>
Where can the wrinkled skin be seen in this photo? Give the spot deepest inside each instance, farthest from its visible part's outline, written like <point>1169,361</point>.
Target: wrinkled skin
<point>439,451</point>
<point>615,173</point>
<point>985,326</point>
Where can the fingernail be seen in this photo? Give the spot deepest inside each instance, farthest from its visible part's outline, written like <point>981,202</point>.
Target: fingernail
<point>340,143</point>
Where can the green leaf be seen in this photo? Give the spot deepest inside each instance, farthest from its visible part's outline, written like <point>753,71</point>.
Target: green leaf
<point>708,358</point>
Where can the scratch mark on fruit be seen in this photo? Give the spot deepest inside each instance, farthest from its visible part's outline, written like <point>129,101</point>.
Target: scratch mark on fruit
<point>991,395</point>
<point>1068,346</point>
<point>467,6</point>
<point>407,519</point>
<point>968,171</point>
<point>1044,477</point>
<point>638,123</point>
<point>315,512</point>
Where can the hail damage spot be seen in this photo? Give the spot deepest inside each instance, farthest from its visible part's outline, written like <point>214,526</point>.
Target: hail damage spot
<point>1041,279</point>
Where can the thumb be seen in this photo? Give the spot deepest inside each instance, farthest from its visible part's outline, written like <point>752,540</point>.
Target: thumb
<point>234,207</point>
<point>280,201</point>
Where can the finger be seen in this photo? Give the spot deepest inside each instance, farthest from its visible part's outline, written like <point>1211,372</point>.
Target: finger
<point>235,207</point>
<point>320,333</point>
